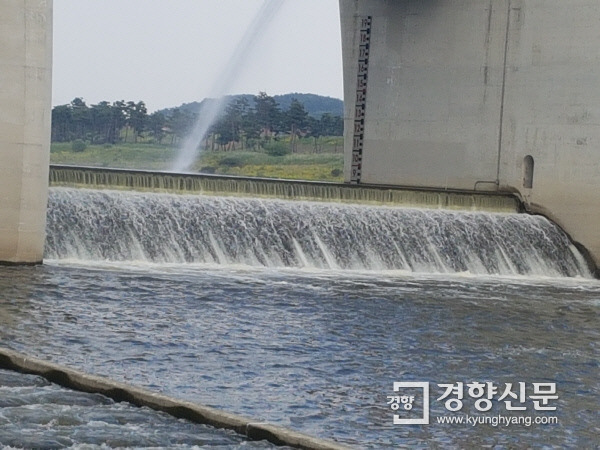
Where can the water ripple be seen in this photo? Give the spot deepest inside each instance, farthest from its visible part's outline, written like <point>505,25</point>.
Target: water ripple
<point>316,351</point>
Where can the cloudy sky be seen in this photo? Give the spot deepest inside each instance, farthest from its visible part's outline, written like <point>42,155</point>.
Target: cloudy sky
<point>168,52</point>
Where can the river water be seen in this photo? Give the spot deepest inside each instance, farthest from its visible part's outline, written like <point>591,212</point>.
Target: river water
<point>307,321</point>
<point>37,414</point>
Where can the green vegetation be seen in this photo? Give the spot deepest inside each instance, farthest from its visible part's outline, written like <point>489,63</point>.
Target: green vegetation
<point>253,137</point>
<point>244,121</point>
<point>78,145</point>
<point>126,156</point>
<point>300,166</point>
<point>277,148</point>
<point>306,164</point>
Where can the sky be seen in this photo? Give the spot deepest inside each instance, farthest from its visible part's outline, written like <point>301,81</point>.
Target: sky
<point>169,52</point>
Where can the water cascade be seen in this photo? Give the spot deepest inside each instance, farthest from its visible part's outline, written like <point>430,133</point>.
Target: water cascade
<point>165,228</point>
<point>213,107</point>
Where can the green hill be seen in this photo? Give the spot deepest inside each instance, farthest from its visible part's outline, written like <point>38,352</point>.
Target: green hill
<point>315,105</point>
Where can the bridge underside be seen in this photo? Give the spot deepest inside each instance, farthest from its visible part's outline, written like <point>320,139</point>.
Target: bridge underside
<point>482,95</point>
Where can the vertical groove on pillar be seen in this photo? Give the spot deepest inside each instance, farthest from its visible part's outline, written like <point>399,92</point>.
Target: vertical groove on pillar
<point>502,94</point>
<point>361,99</point>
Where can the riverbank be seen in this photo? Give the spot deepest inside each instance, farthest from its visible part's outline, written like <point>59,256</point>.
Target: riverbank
<point>315,160</point>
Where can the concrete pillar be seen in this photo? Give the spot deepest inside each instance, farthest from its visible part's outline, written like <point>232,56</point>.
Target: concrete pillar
<point>495,95</point>
<point>25,113</point>
<point>434,90</point>
<point>552,113</point>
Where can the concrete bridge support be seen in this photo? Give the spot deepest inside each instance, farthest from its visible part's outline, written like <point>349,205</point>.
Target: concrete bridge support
<point>495,95</point>
<point>25,113</point>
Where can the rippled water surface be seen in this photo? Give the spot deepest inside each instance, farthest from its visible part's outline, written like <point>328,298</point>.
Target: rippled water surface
<point>318,351</point>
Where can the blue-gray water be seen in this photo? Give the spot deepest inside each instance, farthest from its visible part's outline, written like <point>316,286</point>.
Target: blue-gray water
<point>314,342</point>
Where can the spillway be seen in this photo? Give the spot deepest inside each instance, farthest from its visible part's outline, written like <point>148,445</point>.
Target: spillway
<point>200,183</point>
<point>167,228</point>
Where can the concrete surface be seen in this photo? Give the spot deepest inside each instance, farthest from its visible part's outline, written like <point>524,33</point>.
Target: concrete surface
<point>193,183</point>
<point>25,113</point>
<point>460,93</point>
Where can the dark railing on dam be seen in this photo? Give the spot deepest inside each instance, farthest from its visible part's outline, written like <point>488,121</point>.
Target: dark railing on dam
<point>143,180</point>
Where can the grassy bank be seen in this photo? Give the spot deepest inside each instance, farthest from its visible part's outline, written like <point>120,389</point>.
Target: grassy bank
<point>125,156</point>
<point>321,166</point>
<point>326,165</point>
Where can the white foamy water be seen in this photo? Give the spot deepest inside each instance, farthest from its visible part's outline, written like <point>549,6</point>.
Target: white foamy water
<point>37,414</point>
<point>227,231</point>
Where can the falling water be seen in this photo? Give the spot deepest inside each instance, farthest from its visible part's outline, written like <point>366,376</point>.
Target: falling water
<point>164,228</point>
<point>212,108</point>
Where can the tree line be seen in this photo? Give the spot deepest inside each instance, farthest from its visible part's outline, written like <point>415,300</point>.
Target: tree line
<point>243,122</point>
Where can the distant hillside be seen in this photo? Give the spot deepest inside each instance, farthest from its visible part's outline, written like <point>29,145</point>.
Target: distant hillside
<point>315,105</point>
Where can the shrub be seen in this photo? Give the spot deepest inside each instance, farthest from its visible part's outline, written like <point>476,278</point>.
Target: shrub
<point>252,144</point>
<point>78,145</point>
<point>232,161</point>
<point>277,148</point>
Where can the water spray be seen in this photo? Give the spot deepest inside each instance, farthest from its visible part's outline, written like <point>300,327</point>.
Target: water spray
<point>213,108</point>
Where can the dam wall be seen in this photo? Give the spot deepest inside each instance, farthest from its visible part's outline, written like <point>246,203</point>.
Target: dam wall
<point>194,183</point>
<point>25,112</point>
<point>497,95</point>
<point>445,101</point>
